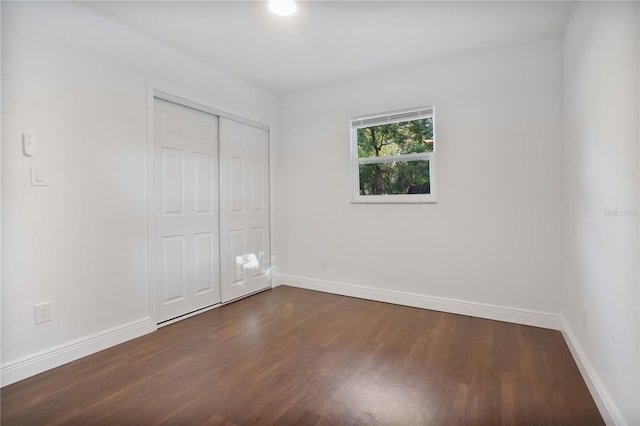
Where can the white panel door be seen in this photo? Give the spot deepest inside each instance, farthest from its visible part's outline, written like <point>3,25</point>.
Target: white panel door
<point>244,209</point>
<point>185,229</point>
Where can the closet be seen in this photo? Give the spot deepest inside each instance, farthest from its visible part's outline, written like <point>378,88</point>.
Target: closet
<point>209,208</point>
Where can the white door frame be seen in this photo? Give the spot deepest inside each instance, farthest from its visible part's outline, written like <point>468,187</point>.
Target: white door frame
<point>153,91</point>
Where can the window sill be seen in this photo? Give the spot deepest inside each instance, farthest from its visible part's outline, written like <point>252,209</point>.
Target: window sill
<point>394,199</point>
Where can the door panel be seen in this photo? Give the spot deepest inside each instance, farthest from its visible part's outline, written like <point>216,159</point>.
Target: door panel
<point>244,219</point>
<point>172,177</point>
<point>203,170</point>
<point>173,267</point>
<point>257,176</point>
<point>235,258</point>
<point>185,220</point>
<point>204,262</point>
<point>235,188</point>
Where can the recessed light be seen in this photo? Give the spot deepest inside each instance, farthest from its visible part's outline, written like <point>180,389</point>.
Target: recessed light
<point>283,7</point>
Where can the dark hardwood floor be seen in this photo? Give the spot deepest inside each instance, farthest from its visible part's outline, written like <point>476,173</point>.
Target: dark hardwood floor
<point>293,356</point>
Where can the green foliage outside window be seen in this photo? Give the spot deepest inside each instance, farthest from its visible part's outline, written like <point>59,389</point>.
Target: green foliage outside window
<point>395,177</point>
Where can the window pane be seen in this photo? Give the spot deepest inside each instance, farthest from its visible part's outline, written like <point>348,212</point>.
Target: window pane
<point>397,177</point>
<point>396,138</point>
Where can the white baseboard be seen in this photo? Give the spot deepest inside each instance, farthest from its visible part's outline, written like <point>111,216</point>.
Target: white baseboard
<point>454,306</point>
<point>39,362</point>
<point>608,409</point>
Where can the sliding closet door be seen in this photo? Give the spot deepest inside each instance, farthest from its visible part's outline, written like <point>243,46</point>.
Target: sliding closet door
<point>185,220</point>
<point>244,209</point>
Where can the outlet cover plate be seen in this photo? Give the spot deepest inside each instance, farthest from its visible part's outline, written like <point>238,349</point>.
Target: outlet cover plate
<point>42,312</point>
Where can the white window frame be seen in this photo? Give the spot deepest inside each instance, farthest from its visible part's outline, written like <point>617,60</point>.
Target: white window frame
<point>389,118</point>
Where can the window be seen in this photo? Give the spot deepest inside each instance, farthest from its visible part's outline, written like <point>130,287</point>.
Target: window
<point>394,157</point>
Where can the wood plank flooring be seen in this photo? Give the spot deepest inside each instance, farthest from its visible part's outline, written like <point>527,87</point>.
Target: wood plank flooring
<point>293,356</point>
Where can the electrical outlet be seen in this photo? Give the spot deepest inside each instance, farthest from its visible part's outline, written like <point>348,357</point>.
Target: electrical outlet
<point>42,312</point>
<point>323,262</point>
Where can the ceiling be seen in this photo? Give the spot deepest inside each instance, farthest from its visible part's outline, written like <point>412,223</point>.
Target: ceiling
<point>331,41</point>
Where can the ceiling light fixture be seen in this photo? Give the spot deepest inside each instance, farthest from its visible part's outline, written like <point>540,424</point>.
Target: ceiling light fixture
<point>283,7</point>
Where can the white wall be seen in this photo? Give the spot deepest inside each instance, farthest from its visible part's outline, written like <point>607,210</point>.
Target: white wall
<point>495,234</point>
<point>601,197</point>
<point>80,82</point>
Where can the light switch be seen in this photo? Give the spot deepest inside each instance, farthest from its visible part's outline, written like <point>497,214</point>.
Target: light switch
<point>29,143</point>
<point>39,176</point>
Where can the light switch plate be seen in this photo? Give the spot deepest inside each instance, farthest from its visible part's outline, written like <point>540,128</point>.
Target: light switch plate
<point>39,176</point>
<point>28,143</point>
